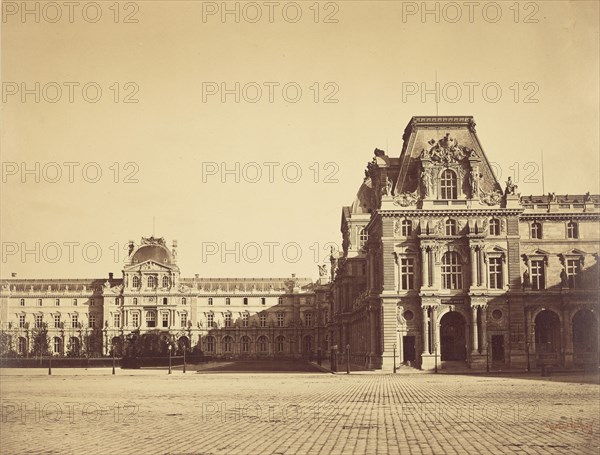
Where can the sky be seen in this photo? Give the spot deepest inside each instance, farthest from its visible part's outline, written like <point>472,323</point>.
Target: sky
<point>242,133</point>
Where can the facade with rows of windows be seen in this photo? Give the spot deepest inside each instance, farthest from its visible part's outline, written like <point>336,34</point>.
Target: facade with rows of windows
<point>441,266</point>
<point>262,317</point>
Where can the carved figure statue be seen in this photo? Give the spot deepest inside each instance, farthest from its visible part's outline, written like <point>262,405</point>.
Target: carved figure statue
<point>526,281</point>
<point>474,181</point>
<point>564,280</point>
<point>587,197</point>
<point>388,186</point>
<point>322,271</point>
<point>510,186</point>
<point>552,197</point>
<point>427,183</point>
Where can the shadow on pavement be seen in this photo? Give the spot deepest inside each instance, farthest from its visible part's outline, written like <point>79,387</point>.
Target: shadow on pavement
<point>256,366</point>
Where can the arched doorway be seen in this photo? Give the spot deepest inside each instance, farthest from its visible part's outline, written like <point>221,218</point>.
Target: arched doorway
<point>585,338</point>
<point>183,344</point>
<point>547,337</point>
<point>453,344</point>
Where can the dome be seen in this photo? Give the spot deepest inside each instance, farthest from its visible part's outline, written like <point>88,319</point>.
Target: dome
<point>156,253</point>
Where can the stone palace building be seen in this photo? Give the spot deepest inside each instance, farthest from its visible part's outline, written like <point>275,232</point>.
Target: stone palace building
<point>440,265</point>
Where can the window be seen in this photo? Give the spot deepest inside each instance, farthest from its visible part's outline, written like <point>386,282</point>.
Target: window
<point>245,319</point>
<point>135,301</point>
<point>210,301</point>
<point>117,320</point>
<point>308,319</point>
<point>406,228</point>
<point>210,344</point>
<point>74,321</point>
<point>263,301</point>
<point>22,302</point>
<point>407,273</point>
<point>165,282</point>
<point>245,300</point>
<point>448,185</point>
<point>135,319</point>
<point>183,301</point>
<point>165,301</point>
<point>495,269</point>
<point>165,320</point>
<point>151,282</point>
<point>573,269</point>
<point>227,342</point>
<point>227,301</point>
<point>57,321</point>
<point>262,319</point>
<point>39,302</point>
<point>280,317</point>
<point>57,302</point>
<point>280,343</point>
<point>572,230</point>
<point>450,227</point>
<point>183,319</point>
<point>74,302</point>
<point>451,271</point>
<point>227,319</point>
<point>92,302</point>
<point>22,345</point>
<point>150,319</point>
<point>262,344</point>
<point>536,230</point>
<point>280,301</point>
<point>538,279</point>
<point>39,321</point>
<point>92,321</point>
<point>22,321</point>
<point>494,226</point>
<point>245,344</point>
<point>363,236</point>
<point>116,300</point>
<point>56,345</point>
<point>210,320</point>
<point>135,282</point>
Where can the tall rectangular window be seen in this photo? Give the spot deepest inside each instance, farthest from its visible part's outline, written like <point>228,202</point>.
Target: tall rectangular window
<point>228,320</point>
<point>92,321</point>
<point>57,321</point>
<point>573,269</point>
<point>22,321</point>
<point>308,319</point>
<point>210,320</point>
<point>495,270</point>
<point>135,320</point>
<point>407,273</point>
<point>538,279</point>
<point>183,320</point>
<point>117,320</point>
<point>150,319</point>
<point>262,320</point>
<point>280,317</point>
<point>39,321</point>
<point>165,320</point>
<point>245,319</point>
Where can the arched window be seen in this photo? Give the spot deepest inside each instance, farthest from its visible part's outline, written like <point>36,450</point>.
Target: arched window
<point>280,343</point>
<point>572,230</point>
<point>135,282</point>
<point>406,228</point>
<point>183,301</point>
<point>165,282</point>
<point>448,185</point>
<point>227,344</point>
<point>363,236</point>
<point>210,301</point>
<point>227,301</point>
<point>494,226</point>
<point>308,319</point>
<point>22,302</point>
<point>151,282</point>
<point>451,227</point>
<point>451,271</point>
<point>135,301</point>
<point>245,344</point>
<point>536,230</point>
<point>210,344</point>
<point>263,344</point>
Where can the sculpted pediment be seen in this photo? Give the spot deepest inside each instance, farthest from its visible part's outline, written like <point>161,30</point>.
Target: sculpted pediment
<point>148,266</point>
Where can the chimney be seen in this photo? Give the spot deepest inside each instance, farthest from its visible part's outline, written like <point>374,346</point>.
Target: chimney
<point>110,276</point>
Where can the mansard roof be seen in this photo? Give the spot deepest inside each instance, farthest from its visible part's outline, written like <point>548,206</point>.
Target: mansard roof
<point>441,140</point>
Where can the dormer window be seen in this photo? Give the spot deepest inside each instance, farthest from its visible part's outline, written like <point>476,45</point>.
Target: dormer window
<point>135,282</point>
<point>363,236</point>
<point>165,282</point>
<point>448,185</point>
<point>151,282</point>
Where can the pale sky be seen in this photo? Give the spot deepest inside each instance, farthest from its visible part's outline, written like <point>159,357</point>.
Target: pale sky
<point>368,61</point>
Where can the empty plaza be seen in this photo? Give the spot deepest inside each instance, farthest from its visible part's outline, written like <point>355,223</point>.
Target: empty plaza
<point>218,410</point>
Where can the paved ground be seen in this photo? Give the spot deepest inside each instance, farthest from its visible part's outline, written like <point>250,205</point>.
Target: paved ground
<point>151,412</point>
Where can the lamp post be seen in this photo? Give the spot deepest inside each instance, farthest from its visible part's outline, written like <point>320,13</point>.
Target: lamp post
<point>169,348</point>
<point>435,356</point>
<point>50,364</point>
<point>113,356</point>
<point>347,359</point>
<point>394,357</point>
<point>184,348</point>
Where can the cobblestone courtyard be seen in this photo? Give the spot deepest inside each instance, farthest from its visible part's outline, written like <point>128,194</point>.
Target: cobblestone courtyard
<point>151,412</point>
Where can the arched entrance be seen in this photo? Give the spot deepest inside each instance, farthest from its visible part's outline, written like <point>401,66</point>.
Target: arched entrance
<point>453,340</point>
<point>547,337</point>
<point>183,344</point>
<point>585,338</point>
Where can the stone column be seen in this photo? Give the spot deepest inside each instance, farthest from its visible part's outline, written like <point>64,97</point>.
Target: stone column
<point>482,271</point>
<point>436,331</point>
<point>425,332</point>
<point>424,267</point>
<point>504,272</point>
<point>434,270</point>
<point>475,334</point>
<point>473,267</point>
